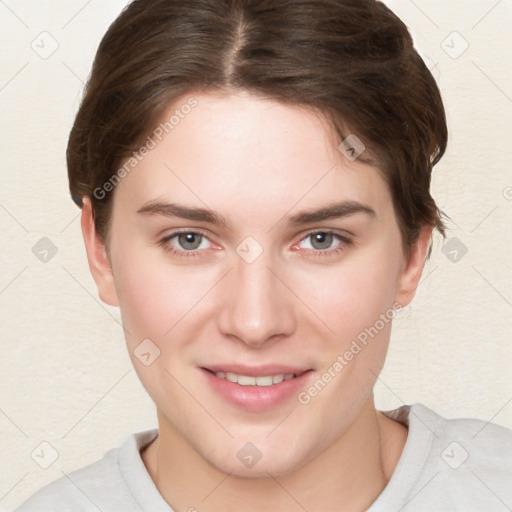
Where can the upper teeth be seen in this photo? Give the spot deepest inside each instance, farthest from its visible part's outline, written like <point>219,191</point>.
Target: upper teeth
<point>246,380</point>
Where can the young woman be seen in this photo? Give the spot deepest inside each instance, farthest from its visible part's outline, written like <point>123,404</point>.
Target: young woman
<point>254,182</point>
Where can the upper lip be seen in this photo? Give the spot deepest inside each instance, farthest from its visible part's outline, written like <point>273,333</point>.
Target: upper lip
<point>256,371</point>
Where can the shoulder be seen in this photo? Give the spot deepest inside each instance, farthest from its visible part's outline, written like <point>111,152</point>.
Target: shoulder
<point>469,442</point>
<point>464,462</point>
<point>76,490</point>
<point>98,486</point>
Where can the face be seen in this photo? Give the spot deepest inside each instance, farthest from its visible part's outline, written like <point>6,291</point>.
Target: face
<point>262,265</point>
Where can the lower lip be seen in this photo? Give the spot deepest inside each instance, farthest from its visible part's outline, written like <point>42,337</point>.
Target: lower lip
<point>256,398</point>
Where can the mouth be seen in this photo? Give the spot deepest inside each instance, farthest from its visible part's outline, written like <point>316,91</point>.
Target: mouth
<point>256,389</point>
<point>256,380</point>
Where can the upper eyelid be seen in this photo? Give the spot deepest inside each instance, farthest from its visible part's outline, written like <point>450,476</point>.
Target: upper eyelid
<point>341,234</point>
<point>338,232</point>
<point>343,238</point>
<point>196,231</point>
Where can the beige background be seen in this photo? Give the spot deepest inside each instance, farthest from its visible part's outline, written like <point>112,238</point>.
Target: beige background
<point>65,378</point>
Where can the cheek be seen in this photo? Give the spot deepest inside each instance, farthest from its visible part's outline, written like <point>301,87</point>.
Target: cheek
<point>356,301</point>
<point>353,295</point>
<point>159,302</point>
<point>142,300</point>
<point>156,298</point>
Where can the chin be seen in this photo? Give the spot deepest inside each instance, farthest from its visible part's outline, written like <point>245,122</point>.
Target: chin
<point>277,467</point>
<point>245,460</point>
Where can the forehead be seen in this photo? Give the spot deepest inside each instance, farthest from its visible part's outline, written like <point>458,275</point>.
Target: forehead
<point>246,152</point>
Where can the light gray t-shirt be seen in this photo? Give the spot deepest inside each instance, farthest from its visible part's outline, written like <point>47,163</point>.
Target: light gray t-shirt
<point>446,465</point>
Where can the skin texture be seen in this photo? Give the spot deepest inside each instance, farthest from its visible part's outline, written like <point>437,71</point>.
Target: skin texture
<point>256,163</point>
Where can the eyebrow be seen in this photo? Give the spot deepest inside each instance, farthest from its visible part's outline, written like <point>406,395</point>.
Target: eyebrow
<point>333,211</point>
<point>184,212</point>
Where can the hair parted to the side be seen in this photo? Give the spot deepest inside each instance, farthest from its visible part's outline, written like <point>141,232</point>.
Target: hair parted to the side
<point>353,61</point>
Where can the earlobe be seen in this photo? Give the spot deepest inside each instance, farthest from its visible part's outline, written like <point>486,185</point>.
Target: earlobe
<point>413,267</point>
<point>99,263</point>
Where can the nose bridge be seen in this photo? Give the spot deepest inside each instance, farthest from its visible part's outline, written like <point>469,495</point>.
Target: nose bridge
<point>257,306</point>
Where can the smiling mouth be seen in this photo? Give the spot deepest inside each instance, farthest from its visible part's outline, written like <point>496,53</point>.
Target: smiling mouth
<point>251,380</point>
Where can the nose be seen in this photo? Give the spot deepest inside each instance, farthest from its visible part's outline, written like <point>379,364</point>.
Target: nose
<point>257,306</point>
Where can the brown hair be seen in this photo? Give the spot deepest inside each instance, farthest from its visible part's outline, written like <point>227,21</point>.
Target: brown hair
<point>351,60</point>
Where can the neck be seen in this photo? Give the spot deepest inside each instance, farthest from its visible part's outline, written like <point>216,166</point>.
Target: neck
<point>353,471</point>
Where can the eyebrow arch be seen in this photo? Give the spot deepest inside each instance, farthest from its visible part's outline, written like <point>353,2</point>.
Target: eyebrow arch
<point>184,212</point>
<point>335,210</point>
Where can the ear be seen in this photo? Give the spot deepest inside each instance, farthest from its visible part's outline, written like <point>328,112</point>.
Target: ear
<point>99,263</point>
<point>413,267</point>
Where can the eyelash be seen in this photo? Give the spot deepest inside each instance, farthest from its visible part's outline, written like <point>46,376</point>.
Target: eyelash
<point>344,241</point>
<point>182,253</point>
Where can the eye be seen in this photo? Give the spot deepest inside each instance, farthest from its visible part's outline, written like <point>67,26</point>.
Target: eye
<point>324,242</point>
<point>190,241</point>
<point>186,243</point>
